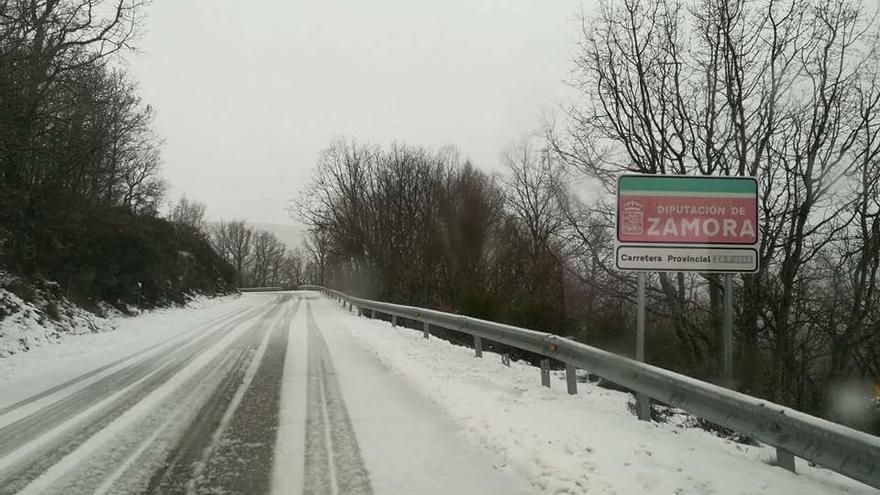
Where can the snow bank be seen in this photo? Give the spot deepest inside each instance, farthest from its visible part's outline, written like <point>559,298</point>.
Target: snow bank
<point>583,444</point>
<point>47,317</point>
<point>25,325</point>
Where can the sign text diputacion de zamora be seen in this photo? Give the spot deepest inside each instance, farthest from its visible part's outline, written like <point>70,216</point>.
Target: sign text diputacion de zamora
<point>687,223</point>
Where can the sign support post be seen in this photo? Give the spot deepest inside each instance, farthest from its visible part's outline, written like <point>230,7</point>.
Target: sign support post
<point>643,402</point>
<point>727,332</point>
<point>640,318</point>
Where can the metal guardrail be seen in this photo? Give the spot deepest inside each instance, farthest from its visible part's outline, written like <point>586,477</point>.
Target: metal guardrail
<point>260,289</point>
<point>841,449</point>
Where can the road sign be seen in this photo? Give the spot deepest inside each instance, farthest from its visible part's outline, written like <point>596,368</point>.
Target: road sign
<point>687,223</point>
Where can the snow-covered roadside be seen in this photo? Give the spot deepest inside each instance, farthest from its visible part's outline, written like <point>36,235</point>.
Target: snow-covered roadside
<point>25,326</point>
<point>35,314</point>
<point>583,444</point>
<point>26,373</point>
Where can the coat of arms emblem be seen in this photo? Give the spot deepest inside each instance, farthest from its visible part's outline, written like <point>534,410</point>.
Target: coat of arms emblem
<point>632,219</point>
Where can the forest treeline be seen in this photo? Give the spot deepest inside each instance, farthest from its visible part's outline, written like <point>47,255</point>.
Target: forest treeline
<point>80,188</point>
<point>258,258</point>
<point>424,227</point>
<point>787,91</point>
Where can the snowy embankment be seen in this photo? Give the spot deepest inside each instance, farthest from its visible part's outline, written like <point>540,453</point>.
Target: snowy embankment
<point>25,325</point>
<point>582,444</point>
<point>48,317</point>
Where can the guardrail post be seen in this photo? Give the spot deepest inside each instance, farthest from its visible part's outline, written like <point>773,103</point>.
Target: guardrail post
<point>571,378</point>
<point>478,346</point>
<point>393,320</point>
<point>426,329</point>
<point>643,406</point>
<point>785,459</point>
<point>505,359</point>
<point>545,372</point>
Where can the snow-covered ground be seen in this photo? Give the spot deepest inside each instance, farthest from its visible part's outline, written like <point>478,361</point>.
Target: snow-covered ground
<point>25,325</point>
<point>407,445</point>
<point>172,402</point>
<point>49,318</point>
<point>322,401</point>
<point>584,444</point>
<point>98,413</point>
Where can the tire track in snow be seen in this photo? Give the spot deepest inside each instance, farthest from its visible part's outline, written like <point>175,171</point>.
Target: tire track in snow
<point>333,463</point>
<point>120,466</point>
<point>85,376</point>
<point>140,452</point>
<point>19,432</point>
<point>241,456</point>
<point>125,478</point>
<point>100,382</point>
<point>92,416</point>
<point>187,461</point>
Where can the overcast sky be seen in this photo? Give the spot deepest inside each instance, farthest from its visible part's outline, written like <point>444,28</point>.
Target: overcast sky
<point>248,93</point>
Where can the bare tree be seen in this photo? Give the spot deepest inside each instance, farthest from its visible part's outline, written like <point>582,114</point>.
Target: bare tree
<point>292,269</point>
<point>267,258</point>
<point>419,226</point>
<point>317,244</point>
<point>778,89</point>
<point>233,241</point>
<point>531,193</point>
<point>45,43</point>
<point>188,214</point>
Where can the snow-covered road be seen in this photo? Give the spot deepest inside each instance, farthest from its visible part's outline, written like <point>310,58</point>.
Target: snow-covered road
<point>267,393</point>
<point>288,393</point>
